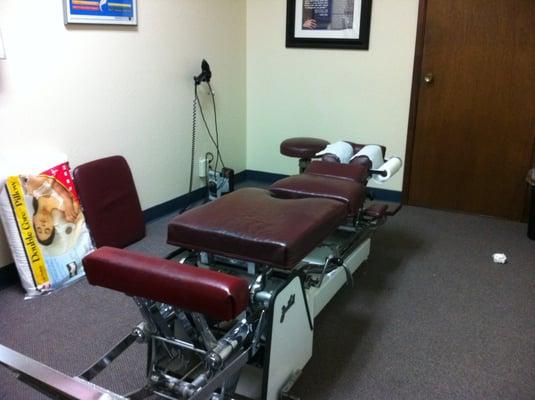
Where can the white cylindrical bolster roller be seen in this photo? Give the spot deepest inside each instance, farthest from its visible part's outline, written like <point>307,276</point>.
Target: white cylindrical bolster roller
<point>342,150</point>
<point>388,170</point>
<point>374,153</point>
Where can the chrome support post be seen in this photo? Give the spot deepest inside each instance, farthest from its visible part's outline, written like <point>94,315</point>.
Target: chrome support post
<point>216,358</point>
<point>202,326</point>
<point>150,312</point>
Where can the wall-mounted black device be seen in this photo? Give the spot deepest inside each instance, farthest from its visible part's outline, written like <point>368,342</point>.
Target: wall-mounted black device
<point>205,74</point>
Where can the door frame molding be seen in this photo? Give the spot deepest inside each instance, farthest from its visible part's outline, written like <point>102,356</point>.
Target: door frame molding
<point>415,90</point>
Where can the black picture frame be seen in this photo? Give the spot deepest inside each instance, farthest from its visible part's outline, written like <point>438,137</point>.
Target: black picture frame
<point>357,43</point>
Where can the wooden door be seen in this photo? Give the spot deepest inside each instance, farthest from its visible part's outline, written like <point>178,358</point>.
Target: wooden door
<point>473,129</point>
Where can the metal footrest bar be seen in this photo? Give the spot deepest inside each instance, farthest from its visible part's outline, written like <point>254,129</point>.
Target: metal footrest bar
<point>51,381</point>
<point>234,367</point>
<point>107,358</point>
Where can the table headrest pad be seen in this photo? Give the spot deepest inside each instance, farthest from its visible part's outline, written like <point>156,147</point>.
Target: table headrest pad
<point>302,147</point>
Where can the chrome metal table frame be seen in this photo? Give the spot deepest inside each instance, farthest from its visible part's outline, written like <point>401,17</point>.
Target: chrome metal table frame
<point>256,356</point>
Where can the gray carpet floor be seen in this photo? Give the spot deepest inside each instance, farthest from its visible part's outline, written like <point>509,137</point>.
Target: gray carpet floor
<point>430,317</point>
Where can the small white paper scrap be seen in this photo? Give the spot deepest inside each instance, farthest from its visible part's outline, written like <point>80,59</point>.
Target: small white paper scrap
<point>499,258</point>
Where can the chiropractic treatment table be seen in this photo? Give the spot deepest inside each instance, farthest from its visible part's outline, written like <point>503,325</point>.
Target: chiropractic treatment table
<point>230,314</point>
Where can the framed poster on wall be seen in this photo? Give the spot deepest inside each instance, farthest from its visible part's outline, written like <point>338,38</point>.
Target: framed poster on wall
<point>338,24</point>
<point>119,12</point>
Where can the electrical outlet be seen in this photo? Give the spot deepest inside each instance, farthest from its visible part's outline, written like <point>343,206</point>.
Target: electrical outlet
<point>202,167</point>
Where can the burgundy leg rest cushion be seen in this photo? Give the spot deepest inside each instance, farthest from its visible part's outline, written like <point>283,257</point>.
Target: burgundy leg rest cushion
<point>110,202</point>
<point>212,293</point>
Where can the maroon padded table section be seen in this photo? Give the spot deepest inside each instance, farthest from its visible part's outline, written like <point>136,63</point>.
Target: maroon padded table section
<point>342,182</point>
<point>352,172</point>
<point>215,294</point>
<point>351,193</point>
<point>250,224</point>
<point>110,201</point>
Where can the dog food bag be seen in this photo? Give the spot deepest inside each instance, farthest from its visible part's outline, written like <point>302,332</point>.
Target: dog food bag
<point>44,224</point>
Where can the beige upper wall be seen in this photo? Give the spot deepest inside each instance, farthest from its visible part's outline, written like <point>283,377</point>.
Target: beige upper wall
<point>362,96</point>
<point>95,91</point>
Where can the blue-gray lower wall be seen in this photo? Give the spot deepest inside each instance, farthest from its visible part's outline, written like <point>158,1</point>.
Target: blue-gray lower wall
<point>8,274</point>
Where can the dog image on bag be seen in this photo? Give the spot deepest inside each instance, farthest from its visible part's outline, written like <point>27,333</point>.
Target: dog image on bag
<point>49,197</point>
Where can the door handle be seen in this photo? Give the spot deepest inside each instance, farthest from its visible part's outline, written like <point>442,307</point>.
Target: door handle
<point>429,78</point>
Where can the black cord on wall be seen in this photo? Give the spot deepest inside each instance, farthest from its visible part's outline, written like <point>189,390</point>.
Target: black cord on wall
<point>219,157</point>
<point>210,135</point>
<point>203,77</point>
<point>193,140</point>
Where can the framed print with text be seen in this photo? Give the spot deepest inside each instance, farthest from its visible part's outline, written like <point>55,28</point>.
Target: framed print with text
<point>337,24</point>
